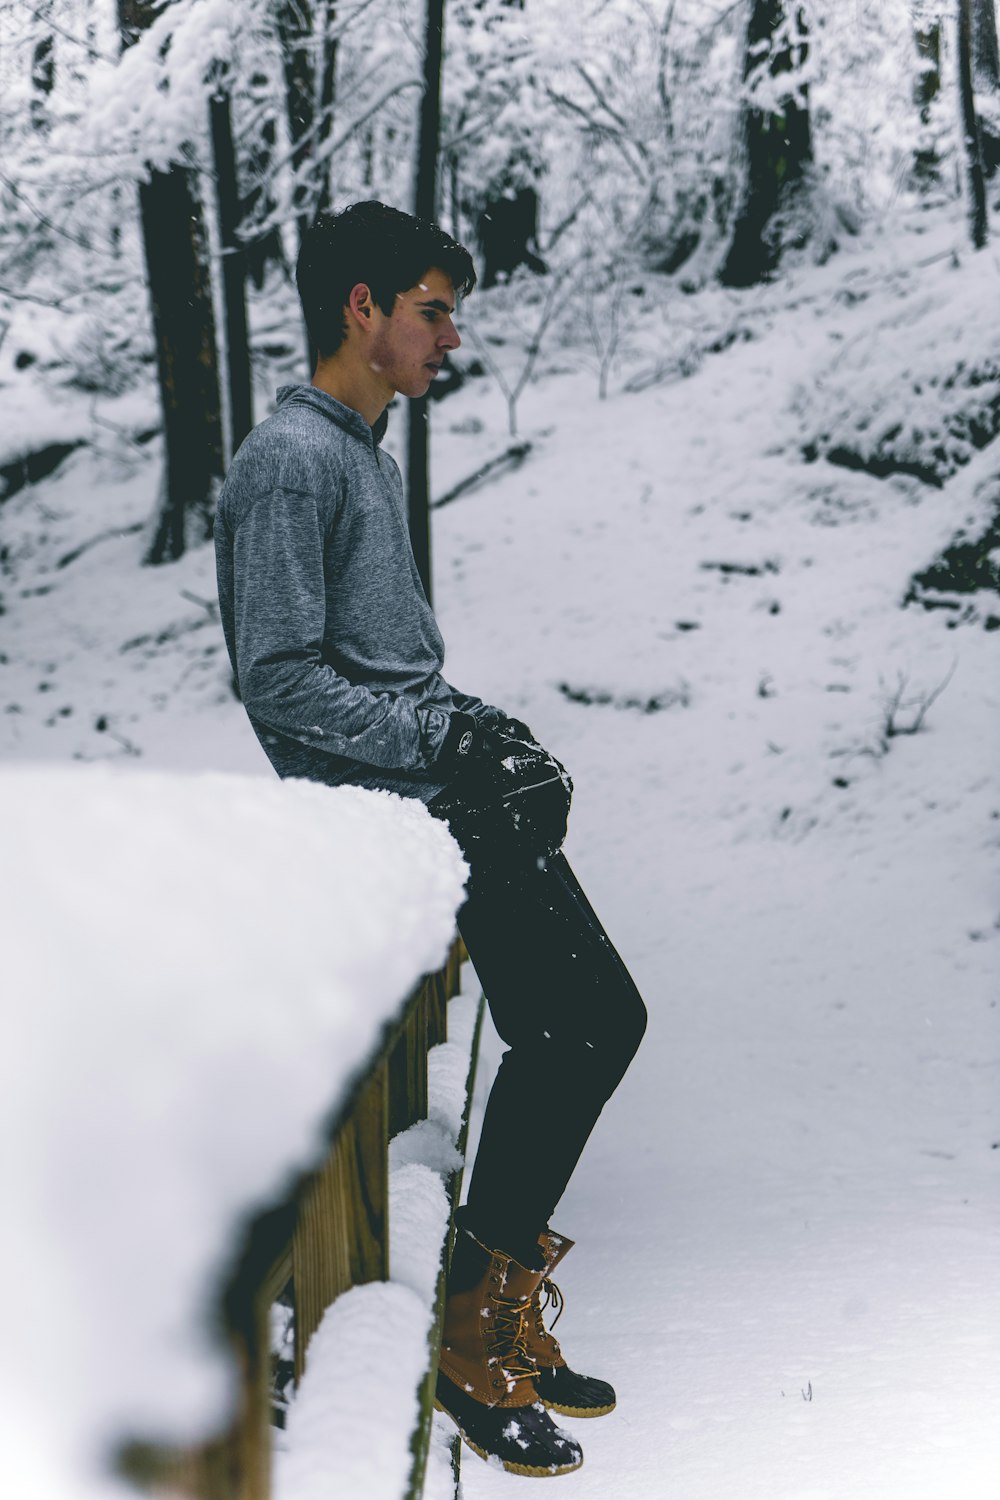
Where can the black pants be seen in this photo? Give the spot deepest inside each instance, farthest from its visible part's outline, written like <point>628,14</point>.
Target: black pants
<point>565,1004</point>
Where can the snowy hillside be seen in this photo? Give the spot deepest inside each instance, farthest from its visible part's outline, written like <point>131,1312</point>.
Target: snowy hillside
<point>787,813</point>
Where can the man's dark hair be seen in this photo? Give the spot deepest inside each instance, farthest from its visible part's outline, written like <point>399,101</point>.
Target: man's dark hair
<point>380,246</point>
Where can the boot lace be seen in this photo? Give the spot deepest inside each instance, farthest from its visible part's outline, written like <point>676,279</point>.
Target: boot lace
<point>509,1338</point>
<point>553,1298</point>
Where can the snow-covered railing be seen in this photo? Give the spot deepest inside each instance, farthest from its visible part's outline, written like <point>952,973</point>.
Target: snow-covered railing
<point>226,1108</point>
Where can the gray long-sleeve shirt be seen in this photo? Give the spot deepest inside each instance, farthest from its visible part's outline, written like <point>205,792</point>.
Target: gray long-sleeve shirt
<point>335,649</point>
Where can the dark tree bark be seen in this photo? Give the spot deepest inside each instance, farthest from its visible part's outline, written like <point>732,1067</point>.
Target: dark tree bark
<point>985,48</point>
<point>778,147</point>
<point>265,248</point>
<point>505,212</point>
<point>234,271</point>
<point>327,94</point>
<point>424,205</point>
<point>180,296</point>
<point>295,29</point>
<point>184,327</point>
<point>986,78</point>
<point>42,71</point>
<point>926,162</point>
<point>507,230</point>
<point>970,128</point>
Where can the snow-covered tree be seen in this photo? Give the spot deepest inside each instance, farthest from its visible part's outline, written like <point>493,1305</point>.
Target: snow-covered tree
<point>180,293</point>
<point>970,128</point>
<point>986,80</point>
<point>777,141</point>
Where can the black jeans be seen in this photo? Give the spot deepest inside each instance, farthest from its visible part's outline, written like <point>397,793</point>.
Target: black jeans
<point>565,1004</point>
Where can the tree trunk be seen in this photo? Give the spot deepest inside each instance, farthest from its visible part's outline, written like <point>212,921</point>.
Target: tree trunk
<point>184,328</point>
<point>778,144</point>
<point>266,249</point>
<point>295,29</point>
<point>234,271</point>
<point>970,128</point>
<point>42,71</point>
<point>327,94</point>
<point>926,162</point>
<point>180,295</point>
<point>985,48</point>
<point>425,196</point>
<point>986,77</point>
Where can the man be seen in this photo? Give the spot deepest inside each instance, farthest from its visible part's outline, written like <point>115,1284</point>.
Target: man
<point>338,660</point>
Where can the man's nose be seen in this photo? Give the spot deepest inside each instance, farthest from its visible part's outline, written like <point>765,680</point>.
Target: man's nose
<point>450,337</point>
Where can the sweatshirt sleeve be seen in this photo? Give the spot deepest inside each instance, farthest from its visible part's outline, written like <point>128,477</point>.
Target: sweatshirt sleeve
<point>279,599</point>
<point>484,713</point>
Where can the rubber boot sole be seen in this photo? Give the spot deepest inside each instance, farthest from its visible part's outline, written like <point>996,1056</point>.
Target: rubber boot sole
<point>550,1471</point>
<point>577,1411</point>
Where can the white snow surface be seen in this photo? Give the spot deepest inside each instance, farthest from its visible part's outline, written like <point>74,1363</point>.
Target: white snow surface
<point>793,1194</point>
<point>196,969</point>
<point>352,1417</point>
<point>373,1339</point>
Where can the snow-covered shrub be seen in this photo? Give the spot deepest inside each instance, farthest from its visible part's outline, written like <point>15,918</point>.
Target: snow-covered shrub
<point>890,403</point>
<point>102,359</point>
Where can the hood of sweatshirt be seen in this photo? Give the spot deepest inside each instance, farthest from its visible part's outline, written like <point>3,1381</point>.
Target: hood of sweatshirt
<point>345,416</point>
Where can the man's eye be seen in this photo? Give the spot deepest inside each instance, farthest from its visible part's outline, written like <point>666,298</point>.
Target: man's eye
<point>430,314</point>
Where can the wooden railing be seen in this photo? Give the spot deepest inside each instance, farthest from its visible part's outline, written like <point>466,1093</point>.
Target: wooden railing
<point>331,1233</point>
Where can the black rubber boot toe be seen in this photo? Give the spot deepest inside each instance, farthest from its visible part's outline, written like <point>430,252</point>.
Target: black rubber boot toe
<point>524,1438</point>
<point>572,1395</point>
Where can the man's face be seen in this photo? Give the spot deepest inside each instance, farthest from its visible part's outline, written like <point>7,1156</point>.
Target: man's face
<point>407,348</point>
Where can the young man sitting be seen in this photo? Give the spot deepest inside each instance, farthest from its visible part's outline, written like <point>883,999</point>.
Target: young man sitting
<point>338,660</point>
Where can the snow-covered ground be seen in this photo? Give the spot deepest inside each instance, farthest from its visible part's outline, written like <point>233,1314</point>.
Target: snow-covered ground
<point>197,968</point>
<point>786,1222</point>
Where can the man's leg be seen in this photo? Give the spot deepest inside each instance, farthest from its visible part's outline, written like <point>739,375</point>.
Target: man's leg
<point>563,1001</point>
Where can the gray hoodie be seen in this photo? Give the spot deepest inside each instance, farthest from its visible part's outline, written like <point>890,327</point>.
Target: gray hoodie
<point>335,650</point>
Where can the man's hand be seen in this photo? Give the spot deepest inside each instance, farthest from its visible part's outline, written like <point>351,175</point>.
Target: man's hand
<point>464,744</point>
<point>504,766</point>
<point>534,788</point>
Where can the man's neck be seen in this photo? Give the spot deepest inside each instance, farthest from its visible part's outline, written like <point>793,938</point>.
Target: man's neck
<point>352,385</point>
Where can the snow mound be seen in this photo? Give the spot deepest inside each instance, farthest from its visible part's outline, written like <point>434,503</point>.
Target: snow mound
<point>197,969</point>
<point>890,403</point>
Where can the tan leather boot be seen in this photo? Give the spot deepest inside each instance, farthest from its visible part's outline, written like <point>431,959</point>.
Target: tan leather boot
<point>559,1388</point>
<point>485,1378</point>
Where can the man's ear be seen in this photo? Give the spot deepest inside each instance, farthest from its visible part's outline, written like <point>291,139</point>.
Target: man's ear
<point>359,303</point>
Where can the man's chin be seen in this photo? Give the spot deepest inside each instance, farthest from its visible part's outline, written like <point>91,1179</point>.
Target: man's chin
<point>420,385</point>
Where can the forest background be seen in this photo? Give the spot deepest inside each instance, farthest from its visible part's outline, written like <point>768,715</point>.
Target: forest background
<point>160,162</point>
<point>722,429</point>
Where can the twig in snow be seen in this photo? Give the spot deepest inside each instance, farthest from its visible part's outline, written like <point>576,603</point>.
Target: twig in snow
<point>512,458</point>
<point>512,392</point>
<point>103,536</point>
<point>210,605</point>
<point>896,703</point>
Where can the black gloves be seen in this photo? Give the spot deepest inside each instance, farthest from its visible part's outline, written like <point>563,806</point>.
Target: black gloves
<point>504,766</point>
<point>463,744</point>
<point>534,789</point>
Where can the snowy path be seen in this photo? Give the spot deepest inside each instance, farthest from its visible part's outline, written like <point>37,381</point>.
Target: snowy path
<point>795,1189</point>
<point>787,1219</point>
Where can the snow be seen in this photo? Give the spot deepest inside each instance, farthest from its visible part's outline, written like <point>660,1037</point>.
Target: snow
<point>356,1407</point>
<point>786,1220</point>
<point>373,1338</point>
<point>794,1190</point>
<point>198,968</point>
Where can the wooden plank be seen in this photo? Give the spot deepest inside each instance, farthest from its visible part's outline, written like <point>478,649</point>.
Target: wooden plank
<point>250,1443</point>
<point>408,1067</point>
<point>369,1239</point>
<point>341,1238</point>
<point>420,1441</point>
<point>438,992</point>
